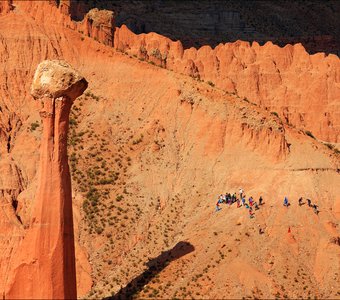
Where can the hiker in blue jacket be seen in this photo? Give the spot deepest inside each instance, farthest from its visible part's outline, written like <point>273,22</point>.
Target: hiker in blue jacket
<point>286,202</point>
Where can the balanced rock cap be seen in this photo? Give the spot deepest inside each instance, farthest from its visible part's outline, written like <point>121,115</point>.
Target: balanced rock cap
<point>56,78</point>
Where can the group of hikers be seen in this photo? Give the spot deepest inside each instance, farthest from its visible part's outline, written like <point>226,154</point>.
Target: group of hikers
<point>229,199</point>
<point>309,203</point>
<point>252,205</point>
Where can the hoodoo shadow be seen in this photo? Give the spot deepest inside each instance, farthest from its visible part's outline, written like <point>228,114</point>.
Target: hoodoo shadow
<point>155,266</point>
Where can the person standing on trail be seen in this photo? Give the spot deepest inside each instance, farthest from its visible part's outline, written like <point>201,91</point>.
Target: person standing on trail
<point>228,199</point>
<point>251,201</point>
<point>251,214</point>
<point>222,199</point>
<point>260,200</point>
<point>241,193</point>
<point>219,201</point>
<point>300,201</point>
<point>238,203</point>
<point>243,201</point>
<point>285,202</point>
<point>218,206</point>
<point>309,202</point>
<point>232,198</point>
<point>315,208</point>
<point>256,206</point>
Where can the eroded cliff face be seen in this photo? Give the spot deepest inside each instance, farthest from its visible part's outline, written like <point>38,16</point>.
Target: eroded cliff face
<point>43,265</point>
<point>97,24</point>
<point>312,23</point>
<point>150,150</point>
<point>284,80</point>
<point>303,89</point>
<point>94,23</point>
<point>11,185</point>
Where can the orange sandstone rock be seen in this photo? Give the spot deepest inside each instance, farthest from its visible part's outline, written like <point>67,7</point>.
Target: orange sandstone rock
<point>46,266</point>
<point>5,6</point>
<point>303,89</point>
<point>98,24</point>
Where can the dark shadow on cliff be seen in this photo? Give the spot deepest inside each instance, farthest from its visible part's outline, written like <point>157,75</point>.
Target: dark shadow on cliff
<point>314,24</point>
<point>155,266</point>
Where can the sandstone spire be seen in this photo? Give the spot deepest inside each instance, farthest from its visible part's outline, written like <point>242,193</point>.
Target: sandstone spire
<point>44,266</point>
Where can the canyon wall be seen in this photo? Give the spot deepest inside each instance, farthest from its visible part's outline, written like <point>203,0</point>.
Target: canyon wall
<point>285,80</point>
<point>197,141</point>
<point>312,23</point>
<point>97,24</point>
<point>303,89</point>
<point>94,23</point>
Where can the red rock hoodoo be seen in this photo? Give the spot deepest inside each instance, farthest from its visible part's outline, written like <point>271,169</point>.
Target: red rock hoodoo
<point>49,255</point>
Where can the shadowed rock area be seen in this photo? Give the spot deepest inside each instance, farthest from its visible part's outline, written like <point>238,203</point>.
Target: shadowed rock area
<point>315,24</point>
<point>155,266</point>
<point>47,251</point>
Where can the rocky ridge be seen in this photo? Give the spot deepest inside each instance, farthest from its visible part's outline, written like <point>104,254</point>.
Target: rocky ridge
<point>98,24</point>
<point>282,80</point>
<point>149,151</point>
<point>312,23</point>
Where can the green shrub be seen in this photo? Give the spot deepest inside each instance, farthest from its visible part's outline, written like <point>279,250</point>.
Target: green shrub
<point>275,113</point>
<point>119,198</point>
<point>156,53</point>
<point>93,196</point>
<point>211,83</point>
<point>73,122</point>
<point>34,125</point>
<point>106,181</point>
<point>99,230</point>
<point>73,157</point>
<point>91,95</point>
<point>135,142</point>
